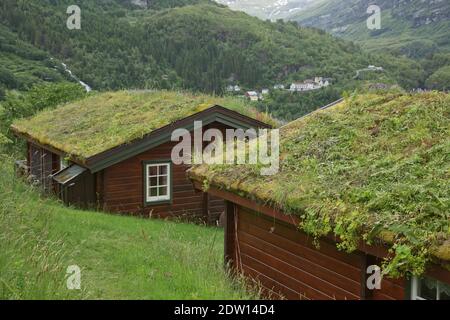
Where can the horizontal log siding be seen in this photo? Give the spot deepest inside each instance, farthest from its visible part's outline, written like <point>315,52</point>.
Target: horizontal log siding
<point>287,263</point>
<point>391,289</point>
<point>42,164</point>
<point>123,190</point>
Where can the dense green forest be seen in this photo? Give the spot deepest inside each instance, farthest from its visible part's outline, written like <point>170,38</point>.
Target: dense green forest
<point>198,47</point>
<point>413,28</point>
<point>195,45</point>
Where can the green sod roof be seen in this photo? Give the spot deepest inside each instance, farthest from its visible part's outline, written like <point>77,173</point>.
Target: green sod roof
<point>374,168</point>
<point>103,121</point>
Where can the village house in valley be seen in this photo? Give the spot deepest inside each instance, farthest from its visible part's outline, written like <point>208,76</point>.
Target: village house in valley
<point>354,196</point>
<point>310,84</point>
<point>253,95</point>
<point>112,151</point>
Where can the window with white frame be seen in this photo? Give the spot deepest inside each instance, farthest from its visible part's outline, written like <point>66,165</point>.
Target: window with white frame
<point>63,163</point>
<point>158,182</point>
<point>429,289</point>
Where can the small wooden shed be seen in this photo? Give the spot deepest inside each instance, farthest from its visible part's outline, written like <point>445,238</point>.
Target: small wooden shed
<point>112,151</point>
<point>341,209</point>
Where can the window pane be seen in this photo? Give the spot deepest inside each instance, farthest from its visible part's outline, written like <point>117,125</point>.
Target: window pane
<point>428,289</point>
<point>444,290</point>
<point>153,192</point>
<point>163,191</point>
<point>153,181</point>
<point>163,169</point>
<point>163,181</point>
<point>152,170</point>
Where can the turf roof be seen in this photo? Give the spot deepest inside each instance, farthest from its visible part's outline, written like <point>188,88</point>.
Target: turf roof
<point>372,167</point>
<point>103,121</point>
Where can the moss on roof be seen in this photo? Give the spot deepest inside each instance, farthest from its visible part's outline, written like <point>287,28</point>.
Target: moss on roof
<point>103,121</point>
<point>372,168</point>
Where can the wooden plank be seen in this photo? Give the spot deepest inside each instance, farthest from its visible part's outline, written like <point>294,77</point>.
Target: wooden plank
<point>273,289</point>
<point>341,281</point>
<point>288,269</point>
<point>230,231</point>
<point>295,236</point>
<point>286,280</point>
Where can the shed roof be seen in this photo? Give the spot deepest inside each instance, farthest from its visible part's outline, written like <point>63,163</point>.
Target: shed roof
<point>68,174</point>
<point>101,122</point>
<point>372,167</point>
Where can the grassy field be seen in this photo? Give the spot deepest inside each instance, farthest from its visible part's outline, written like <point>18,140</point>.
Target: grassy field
<point>119,257</point>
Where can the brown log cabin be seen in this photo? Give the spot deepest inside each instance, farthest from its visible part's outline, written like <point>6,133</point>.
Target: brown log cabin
<point>136,176</point>
<point>267,244</point>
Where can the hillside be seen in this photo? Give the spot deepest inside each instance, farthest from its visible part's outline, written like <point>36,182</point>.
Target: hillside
<point>119,257</point>
<point>23,65</point>
<point>411,27</point>
<point>268,9</point>
<point>197,45</point>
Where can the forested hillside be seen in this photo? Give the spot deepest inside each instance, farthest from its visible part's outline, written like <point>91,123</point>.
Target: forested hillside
<point>413,28</point>
<point>23,65</point>
<point>200,47</point>
<point>195,45</point>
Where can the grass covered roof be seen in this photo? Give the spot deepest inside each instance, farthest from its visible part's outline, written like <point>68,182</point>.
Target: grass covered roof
<point>103,121</point>
<point>374,167</point>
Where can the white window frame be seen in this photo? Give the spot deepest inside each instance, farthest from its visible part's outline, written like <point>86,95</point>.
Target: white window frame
<point>62,163</point>
<point>415,285</point>
<point>156,199</point>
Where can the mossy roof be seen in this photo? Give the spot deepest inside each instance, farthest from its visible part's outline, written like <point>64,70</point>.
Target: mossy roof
<point>103,121</point>
<point>372,167</point>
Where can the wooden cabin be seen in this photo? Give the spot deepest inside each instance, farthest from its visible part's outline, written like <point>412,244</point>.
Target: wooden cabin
<point>113,152</point>
<point>268,240</point>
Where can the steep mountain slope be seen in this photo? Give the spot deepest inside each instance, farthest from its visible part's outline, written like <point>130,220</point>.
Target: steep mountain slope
<point>412,27</point>
<point>202,47</point>
<point>22,65</point>
<point>267,9</point>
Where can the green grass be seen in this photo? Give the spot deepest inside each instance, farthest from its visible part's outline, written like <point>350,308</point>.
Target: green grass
<point>120,257</point>
<point>103,121</point>
<point>375,167</point>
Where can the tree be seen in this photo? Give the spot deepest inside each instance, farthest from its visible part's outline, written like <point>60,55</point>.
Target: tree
<point>440,80</point>
<point>2,93</point>
<point>8,79</point>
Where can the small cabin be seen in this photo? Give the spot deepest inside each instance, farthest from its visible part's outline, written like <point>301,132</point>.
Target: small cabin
<point>112,152</point>
<point>335,223</point>
<point>252,95</point>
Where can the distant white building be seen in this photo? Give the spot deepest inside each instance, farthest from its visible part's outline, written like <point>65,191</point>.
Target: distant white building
<point>279,87</point>
<point>252,95</point>
<point>302,86</point>
<point>374,68</point>
<point>265,91</point>
<point>232,88</point>
<point>310,84</point>
<point>322,82</point>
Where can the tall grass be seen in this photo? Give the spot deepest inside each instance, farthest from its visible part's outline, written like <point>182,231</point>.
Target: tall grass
<point>31,265</point>
<point>120,257</point>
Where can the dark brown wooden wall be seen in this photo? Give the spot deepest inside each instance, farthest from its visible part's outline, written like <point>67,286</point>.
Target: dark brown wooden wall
<point>42,164</point>
<point>391,289</point>
<point>123,192</point>
<point>123,189</point>
<point>288,265</point>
